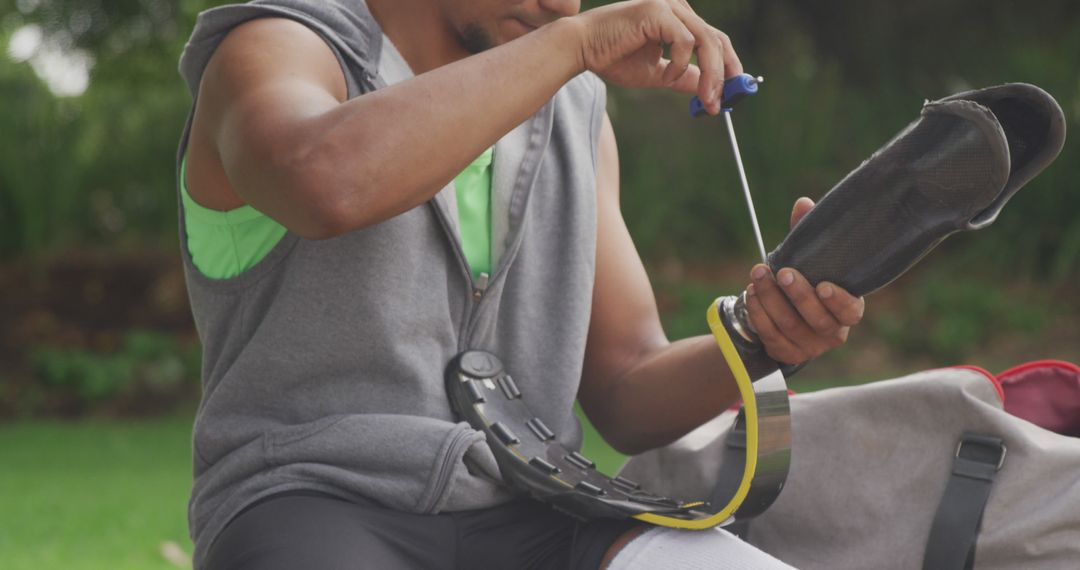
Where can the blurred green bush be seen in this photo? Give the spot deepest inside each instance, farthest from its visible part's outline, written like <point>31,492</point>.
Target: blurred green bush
<point>947,317</point>
<point>149,373</point>
<point>842,78</point>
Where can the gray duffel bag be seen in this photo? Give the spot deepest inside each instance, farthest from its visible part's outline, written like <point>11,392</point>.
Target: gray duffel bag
<point>931,470</point>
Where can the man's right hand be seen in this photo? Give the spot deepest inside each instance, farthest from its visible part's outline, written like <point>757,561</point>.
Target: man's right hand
<point>623,43</point>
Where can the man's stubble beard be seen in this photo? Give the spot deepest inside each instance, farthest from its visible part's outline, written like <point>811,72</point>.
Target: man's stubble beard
<point>475,39</point>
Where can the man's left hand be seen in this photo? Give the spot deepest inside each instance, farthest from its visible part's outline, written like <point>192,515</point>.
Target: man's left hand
<point>795,320</point>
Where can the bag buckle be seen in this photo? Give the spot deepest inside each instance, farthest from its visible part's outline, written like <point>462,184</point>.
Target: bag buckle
<point>975,447</point>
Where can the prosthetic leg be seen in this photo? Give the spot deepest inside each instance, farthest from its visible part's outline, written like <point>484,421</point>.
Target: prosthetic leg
<point>952,169</point>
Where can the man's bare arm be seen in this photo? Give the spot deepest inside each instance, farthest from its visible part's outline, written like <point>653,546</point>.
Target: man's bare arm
<point>273,128</point>
<point>642,391</point>
<point>289,144</point>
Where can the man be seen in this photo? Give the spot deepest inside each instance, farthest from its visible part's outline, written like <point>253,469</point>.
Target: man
<point>324,438</point>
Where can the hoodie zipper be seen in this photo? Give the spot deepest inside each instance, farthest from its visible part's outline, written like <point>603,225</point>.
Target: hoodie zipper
<point>481,287</point>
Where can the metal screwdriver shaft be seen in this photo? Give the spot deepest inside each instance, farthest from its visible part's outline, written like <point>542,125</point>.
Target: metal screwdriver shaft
<point>745,186</point>
<point>736,89</point>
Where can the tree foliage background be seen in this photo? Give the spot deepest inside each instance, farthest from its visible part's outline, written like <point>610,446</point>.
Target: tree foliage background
<point>95,170</point>
<point>842,77</point>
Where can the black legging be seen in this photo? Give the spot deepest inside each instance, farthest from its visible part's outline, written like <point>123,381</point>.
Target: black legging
<point>313,531</point>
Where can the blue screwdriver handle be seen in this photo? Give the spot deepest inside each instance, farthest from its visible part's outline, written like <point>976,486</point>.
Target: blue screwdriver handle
<point>735,89</point>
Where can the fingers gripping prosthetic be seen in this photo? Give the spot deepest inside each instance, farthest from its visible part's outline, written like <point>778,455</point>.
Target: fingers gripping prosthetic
<point>953,169</point>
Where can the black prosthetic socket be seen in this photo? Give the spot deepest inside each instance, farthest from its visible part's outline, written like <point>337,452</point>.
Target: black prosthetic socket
<point>952,169</point>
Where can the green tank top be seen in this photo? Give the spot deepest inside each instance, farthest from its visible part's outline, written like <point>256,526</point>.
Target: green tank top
<point>224,244</point>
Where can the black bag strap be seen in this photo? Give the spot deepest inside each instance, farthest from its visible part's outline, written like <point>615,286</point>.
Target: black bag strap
<point>956,525</point>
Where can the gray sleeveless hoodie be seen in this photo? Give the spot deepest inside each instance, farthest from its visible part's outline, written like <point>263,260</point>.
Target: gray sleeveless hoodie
<point>323,364</point>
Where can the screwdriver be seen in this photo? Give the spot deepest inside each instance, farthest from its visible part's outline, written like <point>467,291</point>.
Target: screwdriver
<point>736,89</point>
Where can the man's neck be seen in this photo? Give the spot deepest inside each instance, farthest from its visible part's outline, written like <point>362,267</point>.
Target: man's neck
<point>419,31</point>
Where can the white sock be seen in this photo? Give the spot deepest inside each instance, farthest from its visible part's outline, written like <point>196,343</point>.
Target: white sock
<point>659,548</point>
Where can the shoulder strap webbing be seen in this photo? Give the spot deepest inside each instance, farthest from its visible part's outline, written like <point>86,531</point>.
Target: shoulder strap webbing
<point>956,525</point>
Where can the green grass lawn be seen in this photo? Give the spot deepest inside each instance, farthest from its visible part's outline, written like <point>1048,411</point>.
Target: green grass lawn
<point>101,494</point>
<point>93,494</point>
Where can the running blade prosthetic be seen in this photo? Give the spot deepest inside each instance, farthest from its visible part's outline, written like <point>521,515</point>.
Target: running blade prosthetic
<point>953,169</point>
